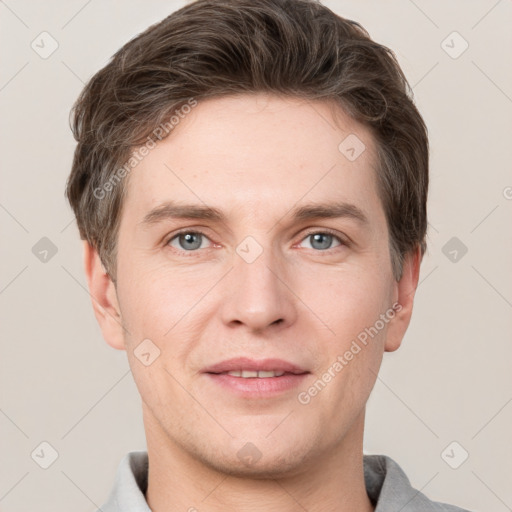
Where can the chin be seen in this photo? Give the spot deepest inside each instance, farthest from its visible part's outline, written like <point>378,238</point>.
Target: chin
<point>267,467</point>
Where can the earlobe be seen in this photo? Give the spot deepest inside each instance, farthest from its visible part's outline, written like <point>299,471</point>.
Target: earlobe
<point>404,295</point>
<point>104,298</point>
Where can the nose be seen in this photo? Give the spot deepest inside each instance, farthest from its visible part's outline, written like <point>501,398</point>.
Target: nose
<point>258,295</point>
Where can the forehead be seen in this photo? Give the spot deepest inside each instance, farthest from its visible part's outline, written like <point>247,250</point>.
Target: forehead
<point>250,153</point>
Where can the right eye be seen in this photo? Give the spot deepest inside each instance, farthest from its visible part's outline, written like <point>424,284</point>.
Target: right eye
<point>187,241</point>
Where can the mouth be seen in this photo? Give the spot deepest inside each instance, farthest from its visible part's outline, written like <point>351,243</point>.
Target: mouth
<point>249,378</point>
<point>247,368</point>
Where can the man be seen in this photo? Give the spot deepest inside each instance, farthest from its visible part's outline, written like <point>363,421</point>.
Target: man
<point>250,183</point>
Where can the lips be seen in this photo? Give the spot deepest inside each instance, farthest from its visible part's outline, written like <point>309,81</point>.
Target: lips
<point>245,367</point>
<point>254,379</point>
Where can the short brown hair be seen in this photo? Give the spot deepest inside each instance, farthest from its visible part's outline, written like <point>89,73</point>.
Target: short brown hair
<point>213,48</point>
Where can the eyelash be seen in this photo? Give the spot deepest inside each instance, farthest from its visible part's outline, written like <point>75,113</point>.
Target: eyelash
<point>343,241</point>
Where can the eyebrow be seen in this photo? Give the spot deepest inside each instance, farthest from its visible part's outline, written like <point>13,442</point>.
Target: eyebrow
<point>311,211</point>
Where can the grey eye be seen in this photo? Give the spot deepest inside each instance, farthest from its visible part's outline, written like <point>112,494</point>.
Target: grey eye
<point>321,241</point>
<point>188,241</point>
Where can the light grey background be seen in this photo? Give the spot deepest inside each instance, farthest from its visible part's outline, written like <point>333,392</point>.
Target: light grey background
<point>450,380</point>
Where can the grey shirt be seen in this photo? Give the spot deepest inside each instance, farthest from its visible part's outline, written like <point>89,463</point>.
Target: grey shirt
<point>387,486</point>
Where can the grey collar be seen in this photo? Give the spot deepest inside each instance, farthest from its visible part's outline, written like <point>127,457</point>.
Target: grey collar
<point>387,486</point>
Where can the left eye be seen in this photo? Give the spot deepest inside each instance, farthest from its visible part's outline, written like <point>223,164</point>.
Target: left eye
<point>188,240</point>
<point>322,241</point>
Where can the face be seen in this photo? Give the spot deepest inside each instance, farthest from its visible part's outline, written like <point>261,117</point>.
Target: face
<point>266,273</point>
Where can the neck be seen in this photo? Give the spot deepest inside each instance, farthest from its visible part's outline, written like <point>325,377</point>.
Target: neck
<point>179,481</point>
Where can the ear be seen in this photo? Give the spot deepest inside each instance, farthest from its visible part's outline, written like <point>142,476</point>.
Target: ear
<point>104,298</point>
<point>403,298</point>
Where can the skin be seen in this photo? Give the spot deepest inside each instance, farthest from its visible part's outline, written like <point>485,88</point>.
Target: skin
<point>255,157</point>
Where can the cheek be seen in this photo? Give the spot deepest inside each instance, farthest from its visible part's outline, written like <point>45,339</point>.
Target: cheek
<point>157,299</point>
<point>351,305</point>
<point>347,300</point>
<point>171,310</point>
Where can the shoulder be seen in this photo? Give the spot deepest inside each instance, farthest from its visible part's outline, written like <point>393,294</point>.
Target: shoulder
<point>389,488</point>
<point>128,492</point>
